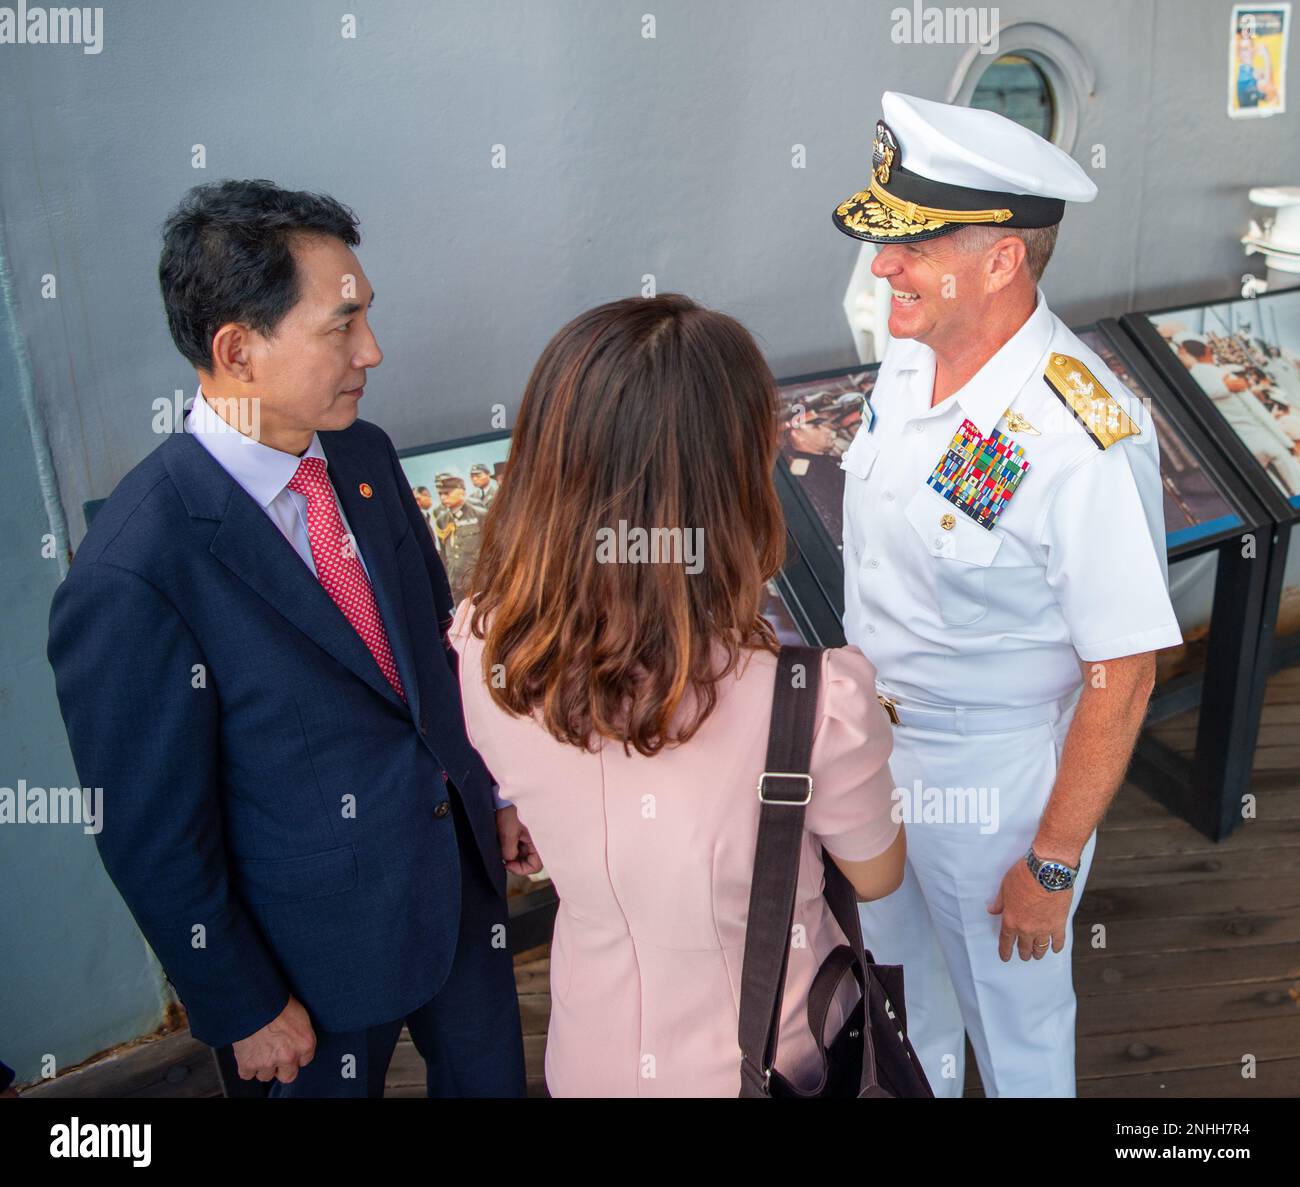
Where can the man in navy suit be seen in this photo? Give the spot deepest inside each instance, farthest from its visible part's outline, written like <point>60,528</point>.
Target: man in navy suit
<point>250,657</point>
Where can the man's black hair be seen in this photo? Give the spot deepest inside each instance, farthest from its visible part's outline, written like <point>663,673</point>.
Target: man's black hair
<point>227,256</point>
<point>1196,348</point>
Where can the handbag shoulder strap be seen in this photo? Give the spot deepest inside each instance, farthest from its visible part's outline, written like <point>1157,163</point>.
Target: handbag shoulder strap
<point>784,791</point>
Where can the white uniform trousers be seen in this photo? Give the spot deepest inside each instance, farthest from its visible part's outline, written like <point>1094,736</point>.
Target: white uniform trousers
<point>1020,1014</point>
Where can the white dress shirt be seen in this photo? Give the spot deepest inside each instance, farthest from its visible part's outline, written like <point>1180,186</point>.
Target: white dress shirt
<point>956,614</point>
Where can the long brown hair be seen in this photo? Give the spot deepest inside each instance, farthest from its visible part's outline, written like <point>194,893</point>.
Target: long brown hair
<point>648,412</point>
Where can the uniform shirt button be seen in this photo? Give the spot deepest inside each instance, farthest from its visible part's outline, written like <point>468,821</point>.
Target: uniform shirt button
<point>889,496</point>
<point>442,809</point>
<point>871,630</point>
<point>938,543</point>
<point>873,563</point>
<point>918,428</point>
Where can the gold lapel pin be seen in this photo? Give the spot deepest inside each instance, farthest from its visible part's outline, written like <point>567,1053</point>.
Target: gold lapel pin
<point>1018,424</point>
<point>366,490</point>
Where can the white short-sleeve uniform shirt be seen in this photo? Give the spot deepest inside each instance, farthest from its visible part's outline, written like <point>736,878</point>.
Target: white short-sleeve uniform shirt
<point>957,614</point>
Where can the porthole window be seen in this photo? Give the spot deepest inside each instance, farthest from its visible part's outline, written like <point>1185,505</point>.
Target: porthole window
<point>1035,76</point>
<point>1016,87</point>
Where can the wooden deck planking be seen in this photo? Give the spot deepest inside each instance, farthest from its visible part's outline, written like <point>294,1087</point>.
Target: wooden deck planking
<point>1199,977</point>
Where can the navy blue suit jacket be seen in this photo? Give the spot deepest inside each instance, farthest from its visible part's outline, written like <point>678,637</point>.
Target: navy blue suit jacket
<point>269,801</point>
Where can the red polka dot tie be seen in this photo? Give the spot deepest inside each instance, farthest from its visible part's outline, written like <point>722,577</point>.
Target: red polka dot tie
<point>339,567</point>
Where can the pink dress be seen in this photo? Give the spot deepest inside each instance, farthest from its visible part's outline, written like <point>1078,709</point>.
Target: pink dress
<point>652,859</point>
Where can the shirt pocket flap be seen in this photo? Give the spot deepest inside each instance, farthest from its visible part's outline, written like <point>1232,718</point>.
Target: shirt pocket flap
<point>962,540</point>
<point>860,456</point>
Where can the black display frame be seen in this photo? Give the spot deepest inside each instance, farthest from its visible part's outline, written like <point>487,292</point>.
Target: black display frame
<point>819,622</point>
<point>1206,789</point>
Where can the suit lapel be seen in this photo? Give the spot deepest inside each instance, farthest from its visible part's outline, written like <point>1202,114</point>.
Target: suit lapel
<point>252,547</point>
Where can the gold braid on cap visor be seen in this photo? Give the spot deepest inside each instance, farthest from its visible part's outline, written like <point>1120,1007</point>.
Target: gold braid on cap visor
<point>914,213</point>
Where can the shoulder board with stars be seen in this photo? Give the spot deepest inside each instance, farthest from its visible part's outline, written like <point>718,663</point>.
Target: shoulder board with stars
<point>1093,406</point>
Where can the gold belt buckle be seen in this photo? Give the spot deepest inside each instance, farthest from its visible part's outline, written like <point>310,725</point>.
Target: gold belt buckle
<point>890,708</point>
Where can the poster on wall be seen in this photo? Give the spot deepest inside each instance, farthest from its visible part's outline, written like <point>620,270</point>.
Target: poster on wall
<point>454,485</point>
<point>1257,60</point>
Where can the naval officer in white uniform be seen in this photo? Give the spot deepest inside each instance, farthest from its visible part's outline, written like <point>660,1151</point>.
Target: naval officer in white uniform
<point>1005,570</point>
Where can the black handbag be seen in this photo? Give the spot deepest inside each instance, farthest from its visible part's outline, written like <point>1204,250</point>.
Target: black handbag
<point>871,1056</point>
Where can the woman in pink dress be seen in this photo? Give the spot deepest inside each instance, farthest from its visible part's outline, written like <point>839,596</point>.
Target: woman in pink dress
<point>617,679</point>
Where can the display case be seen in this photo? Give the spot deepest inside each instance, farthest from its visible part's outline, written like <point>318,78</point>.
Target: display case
<point>1218,594</point>
<point>1236,364</point>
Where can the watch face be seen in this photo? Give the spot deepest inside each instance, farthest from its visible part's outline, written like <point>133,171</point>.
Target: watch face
<point>1054,876</point>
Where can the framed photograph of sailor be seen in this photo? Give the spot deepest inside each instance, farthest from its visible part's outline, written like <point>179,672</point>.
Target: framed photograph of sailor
<point>820,414</point>
<point>1236,366</point>
<point>454,483</point>
<point>1244,356</point>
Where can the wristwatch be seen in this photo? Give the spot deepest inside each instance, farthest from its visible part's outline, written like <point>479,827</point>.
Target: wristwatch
<point>1050,875</point>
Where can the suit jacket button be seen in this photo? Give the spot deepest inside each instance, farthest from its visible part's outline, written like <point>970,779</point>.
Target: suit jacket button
<point>442,809</point>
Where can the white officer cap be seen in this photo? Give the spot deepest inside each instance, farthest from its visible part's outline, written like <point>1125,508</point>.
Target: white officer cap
<point>937,167</point>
